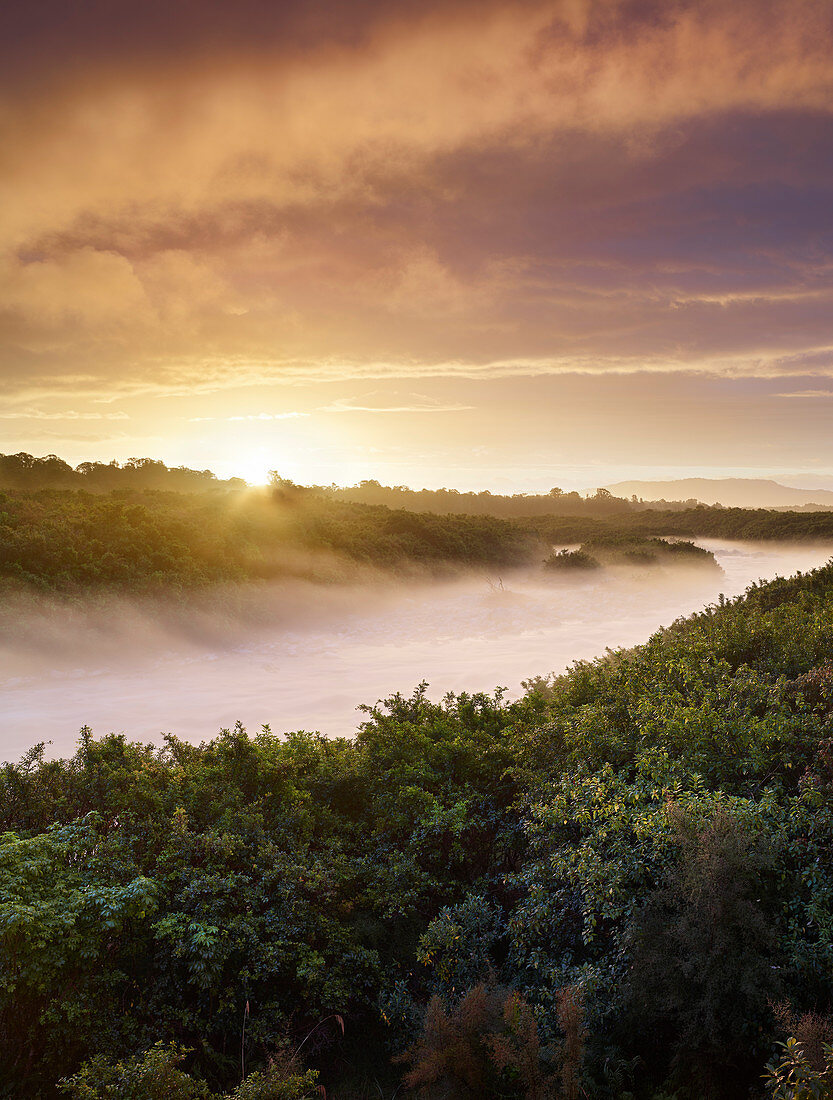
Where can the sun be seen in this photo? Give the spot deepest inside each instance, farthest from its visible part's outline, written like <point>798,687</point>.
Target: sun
<point>251,450</point>
<point>250,462</point>
<point>253,467</point>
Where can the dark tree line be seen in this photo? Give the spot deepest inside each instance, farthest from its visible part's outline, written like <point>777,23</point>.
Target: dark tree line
<point>25,471</point>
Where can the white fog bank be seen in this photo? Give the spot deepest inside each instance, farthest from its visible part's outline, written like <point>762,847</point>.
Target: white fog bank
<point>300,657</point>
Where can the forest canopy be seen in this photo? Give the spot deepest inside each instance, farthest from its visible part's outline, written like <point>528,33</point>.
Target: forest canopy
<point>71,540</point>
<point>67,541</point>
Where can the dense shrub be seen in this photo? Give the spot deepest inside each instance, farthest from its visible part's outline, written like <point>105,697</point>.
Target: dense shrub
<point>652,832</point>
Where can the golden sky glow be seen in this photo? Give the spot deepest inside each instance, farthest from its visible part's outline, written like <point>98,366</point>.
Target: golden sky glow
<point>419,241</point>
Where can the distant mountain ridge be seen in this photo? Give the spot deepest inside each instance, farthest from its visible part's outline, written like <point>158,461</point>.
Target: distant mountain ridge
<point>732,492</point>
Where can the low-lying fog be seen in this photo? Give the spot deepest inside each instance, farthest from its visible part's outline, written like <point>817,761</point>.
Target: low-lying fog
<point>298,656</point>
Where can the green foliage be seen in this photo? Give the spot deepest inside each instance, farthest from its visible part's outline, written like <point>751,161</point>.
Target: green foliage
<point>294,874</point>
<point>702,950</point>
<point>792,1076</point>
<point>142,527</point>
<point>459,944</point>
<point>624,549</point>
<point>653,831</point>
<point>583,525</point>
<point>70,900</point>
<point>70,541</point>
<point>277,1082</point>
<point>154,1075</point>
<point>150,1076</point>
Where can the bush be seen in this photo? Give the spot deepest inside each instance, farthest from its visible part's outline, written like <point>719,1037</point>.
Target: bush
<point>149,1076</point>
<point>702,953</point>
<point>485,1046</point>
<point>794,1077</point>
<point>569,560</point>
<point>154,1076</point>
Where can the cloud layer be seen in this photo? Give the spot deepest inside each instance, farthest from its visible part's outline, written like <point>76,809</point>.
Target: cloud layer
<point>217,195</point>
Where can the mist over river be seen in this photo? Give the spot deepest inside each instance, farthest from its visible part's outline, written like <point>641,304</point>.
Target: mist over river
<point>304,657</point>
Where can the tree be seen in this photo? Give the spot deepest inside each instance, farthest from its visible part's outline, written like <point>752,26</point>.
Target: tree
<point>701,953</point>
<point>487,1045</point>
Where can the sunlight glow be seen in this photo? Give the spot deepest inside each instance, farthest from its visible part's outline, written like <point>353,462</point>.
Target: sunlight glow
<point>253,467</point>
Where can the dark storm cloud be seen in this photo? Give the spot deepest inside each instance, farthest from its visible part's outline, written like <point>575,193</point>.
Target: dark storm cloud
<point>41,40</point>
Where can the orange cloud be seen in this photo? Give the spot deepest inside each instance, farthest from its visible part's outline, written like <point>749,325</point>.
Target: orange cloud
<point>460,188</point>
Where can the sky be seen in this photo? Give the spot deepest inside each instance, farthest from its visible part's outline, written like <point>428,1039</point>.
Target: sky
<point>477,244</point>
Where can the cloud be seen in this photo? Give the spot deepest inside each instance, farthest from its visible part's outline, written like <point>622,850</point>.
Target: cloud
<point>414,403</point>
<point>66,414</point>
<point>80,290</point>
<point>806,394</point>
<point>317,190</point>
<point>250,416</point>
<point>61,439</point>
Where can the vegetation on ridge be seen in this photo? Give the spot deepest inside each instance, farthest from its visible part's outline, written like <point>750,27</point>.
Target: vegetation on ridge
<point>629,550</point>
<point>137,538</point>
<point>69,541</point>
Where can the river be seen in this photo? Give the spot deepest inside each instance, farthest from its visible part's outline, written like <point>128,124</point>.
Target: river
<point>310,656</point>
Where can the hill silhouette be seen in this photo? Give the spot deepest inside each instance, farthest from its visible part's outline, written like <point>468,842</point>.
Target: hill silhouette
<point>733,492</point>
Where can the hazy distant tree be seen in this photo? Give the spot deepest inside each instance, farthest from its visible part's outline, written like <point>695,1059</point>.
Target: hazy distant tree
<point>24,471</point>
